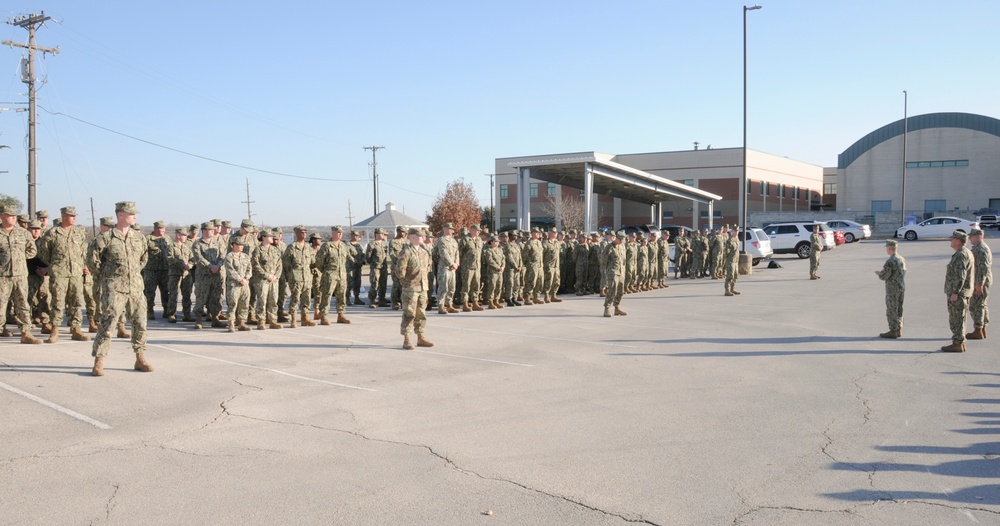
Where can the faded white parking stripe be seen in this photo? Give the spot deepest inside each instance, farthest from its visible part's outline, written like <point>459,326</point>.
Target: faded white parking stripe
<point>57,407</point>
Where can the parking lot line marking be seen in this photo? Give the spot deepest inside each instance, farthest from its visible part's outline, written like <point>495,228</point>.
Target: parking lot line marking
<point>57,407</point>
<point>539,337</point>
<point>424,352</point>
<point>261,368</point>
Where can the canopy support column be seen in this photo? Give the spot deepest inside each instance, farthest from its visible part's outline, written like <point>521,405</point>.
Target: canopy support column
<point>588,199</point>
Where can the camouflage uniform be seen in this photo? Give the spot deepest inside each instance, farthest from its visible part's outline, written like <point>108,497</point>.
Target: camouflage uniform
<point>156,275</point>
<point>493,260</point>
<point>815,249</point>
<point>355,260</point>
<point>180,280</point>
<point>411,271</point>
<point>296,262</point>
<point>958,280</point>
<point>663,259</point>
<point>238,273</point>
<point>715,243</point>
<point>119,259</point>
<point>447,253</point>
<point>208,284</point>
<point>682,249</point>
<point>614,257</point>
<point>64,251</point>
<point>641,262</point>
<point>395,247</point>
<point>331,261</point>
<point>531,254</point>
<point>581,267</point>
<point>630,263</point>
<point>594,265</point>
<point>731,262</point>
<point>978,306</point>
<point>16,247</point>
<point>266,262</point>
<point>39,299</point>
<point>512,271</point>
<point>375,256</point>
<point>697,255</point>
<point>551,249</point>
<point>471,251</point>
<point>893,273</point>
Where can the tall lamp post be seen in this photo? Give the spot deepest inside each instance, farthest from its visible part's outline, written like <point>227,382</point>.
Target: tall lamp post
<point>493,206</point>
<point>902,198</point>
<point>743,179</point>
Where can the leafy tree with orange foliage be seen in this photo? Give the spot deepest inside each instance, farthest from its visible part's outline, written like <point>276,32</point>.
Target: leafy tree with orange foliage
<point>458,206</point>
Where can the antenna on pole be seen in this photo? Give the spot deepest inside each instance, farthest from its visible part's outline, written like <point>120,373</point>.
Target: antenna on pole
<point>248,201</point>
<point>93,218</point>
<point>350,216</point>
<point>374,173</point>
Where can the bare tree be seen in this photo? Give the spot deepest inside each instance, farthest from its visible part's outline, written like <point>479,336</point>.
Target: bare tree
<point>567,213</point>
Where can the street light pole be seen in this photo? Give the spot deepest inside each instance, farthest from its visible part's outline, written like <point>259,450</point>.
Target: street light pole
<point>902,199</point>
<point>743,179</point>
<point>493,206</point>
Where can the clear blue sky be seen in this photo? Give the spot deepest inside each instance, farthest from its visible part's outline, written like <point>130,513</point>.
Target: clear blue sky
<point>300,87</point>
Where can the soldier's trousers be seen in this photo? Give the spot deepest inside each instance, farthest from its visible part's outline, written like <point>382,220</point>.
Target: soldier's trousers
<point>594,277</point>
<point>383,282</point>
<point>732,274</point>
<point>494,286</point>
<point>414,311</point>
<point>115,304</point>
<point>153,280</point>
<point>374,278</point>
<point>616,287</point>
<point>179,285</point>
<point>397,289</point>
<point>640,272</point>
<point>470,284</point>
<point>38,297</point>
<point>551,285</point>
<point>582,283</point>
<point>316,293</point>
<point>16,289</point>
<point>282,293</point>
<point>629,277</point>
<point>534,280</point>
<point>979,308</point>
<point>813,264</point>
<point>568,275</point>
<point>354,283</point>
<point>680,268</point>
<point>237,302</point>
<point>208,292</point>
<point>958,310</point>
<point>333,286</point>
<point>267,300</point>
<point>88,298</point>
<point>445,286</point>
<point>894,309</point>
<point>511,284</point>
<point>299,292</point>
<point>99,305</point>
<point>66,293</point>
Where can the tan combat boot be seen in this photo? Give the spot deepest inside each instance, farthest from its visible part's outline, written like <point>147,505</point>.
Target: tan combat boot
<point>607,312</point>
<point>122,333</point>
<point>619,312</point>
<point>342,319</point>
<point>476,307</point>
<point>217,321</point>
<point>493,305</point>
<point>452,309</point>
<point>729,293</point>
<point>98,369</point>
<point>240,326</point>
<point>500,304</point>
<point>955,347</point>
<point>555,299</point>
<point>53,336</point>
<point>889,334</point>
<point>232,326</point>
<point>323,320</point>
<point>318,315</point>
<point>424,342</point>
<point>27,338</point>
<point>46,328</point>
<point>92,328</point>
<point>141,364</point>
<point>273,325</point>
<point>292,324</point>
<point>260,325</point>
<point>545,298</point>
<point>976,334</point>
<point>407,344</point>
<point>197,321</point>
<point>222,317</point>
<point>442,309</point>
<point>76,334</point>
<point>306,322</point>
<point>466,307</point>
<point>527,300</point>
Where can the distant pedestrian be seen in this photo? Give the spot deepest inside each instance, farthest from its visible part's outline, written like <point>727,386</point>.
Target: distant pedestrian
<point>815,249</point>
<point>893,273</point>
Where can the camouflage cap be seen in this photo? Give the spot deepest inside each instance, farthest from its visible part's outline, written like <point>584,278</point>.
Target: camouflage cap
<point>181,231</point>
<point>237,240</point>
<point>494,238</point>
<point>355,233</point>
<point>107,221</point>
<point>891,243</point>
<point>57,221</point>
<point>379,230</point>
<point>535,229</point>
<point>160,224</point>
<point>266,233</point>
<point>42,214</point>
<point>337,228</point>
<point>127,207</point>
<point>315,237</point>
<point>136,227</point>
<point>961,236</point>
<point>975,232</point>
<point>300,228</point>
<point>411,231</point>
<point>464,231</point>
<point>193,228</point>
<point>448,225</point>
<point>34,223</point>
<point>620,234</point>
<point>68,210</point>
<point>21,218</point>
<point>277,230</point>
<point>217,222</point>
<point>208,225</point>
<point>595,235</point>
<point>400,228</point>
<point>248,225</point>
<point>473,228</point>
<point>227,224</point>
<point>554,229</point>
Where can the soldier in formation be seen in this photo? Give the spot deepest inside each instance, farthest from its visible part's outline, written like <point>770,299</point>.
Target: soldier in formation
<point>296,263</point>
<point>983,266</point>
<point>332,263</point>
<point>958,285</point>
<point>411,272</point>
<point>376,257</point>
<point>355,262</point>
<point>238,272</point>
<point>731,262</point>
<point>893,273</point>
<point>446,252</point>
<point>63,249</point>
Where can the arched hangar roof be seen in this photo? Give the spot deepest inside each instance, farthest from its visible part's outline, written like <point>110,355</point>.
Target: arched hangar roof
<point>969,121</point>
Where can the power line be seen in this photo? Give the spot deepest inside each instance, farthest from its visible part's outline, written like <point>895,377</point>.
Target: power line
<point>374,173</point>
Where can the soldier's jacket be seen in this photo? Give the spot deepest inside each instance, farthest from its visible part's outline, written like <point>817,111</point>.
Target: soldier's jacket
<point>630,254</point>
<point>531,254</point>
<point>471,249</point>
<point>731,251</point>
<point>447,252</point>
<point>984,264</point>
<point>158,248</point>
<point>893,273</point>
<point>179,256</point>
<point>714,244</point>
<point>395,247</point>
<point>332,258</point>
<point>356,255</point>
<point>296,262</point>
<point>266,261</point>
<point>958,276</point>
<point>375,255</point>
<point>512,256</point>
<point>581,255</point>
<point>238,267</point>
<point>493,259</point>
<point>206,254</point>
<point>594,255</point>
<point>663,251</point>
<point>682,244</point>
<point>815,243</point>
<point>16,248</point>
<point>411,268</point>
<point>614,259</point>
<point>550,253</point>
<point>641,255</point>
<point>223,241</point>
<point>64,251</point>
<point>118,259</point>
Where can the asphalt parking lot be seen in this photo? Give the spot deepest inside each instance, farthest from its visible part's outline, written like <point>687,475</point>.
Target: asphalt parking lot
<point>777,407</point>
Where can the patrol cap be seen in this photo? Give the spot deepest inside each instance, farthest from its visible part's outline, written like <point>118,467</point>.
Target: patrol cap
<point>7,210</point>
<point>208,225</point>
<point>379,230</point>
<point>227,224</point>
<point>337,228</point>
<point>411,231</point>
<point>126,206</point>
<point>267,233</point>
<point>248,225</point>
<point>42,214</point>
<point>975,232</point>
<point>494,238</point>
<point>277,230</point>
<point>448,225</point>
<point>34,223</point>
<point>315,237</point>
<point>181,231</point>
<point>473,227</point>
<point>300,228</point>
<point>620,235</point>
<point>23,218</point>
<point>400,228</point>
<point>891,243</point>
<point>107,221</point>
<point>595,235</point>
<point>958,234</point>
<point>554,229</point>
<point>355,233</point>
<point>68,210</point>
<point>535,229</point>
<point>160,224</point>
<point>237,240</point>
<point>193,227</point>
<point>217,222</point>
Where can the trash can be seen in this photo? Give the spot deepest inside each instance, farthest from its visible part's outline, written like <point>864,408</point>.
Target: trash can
<point>911,220</point>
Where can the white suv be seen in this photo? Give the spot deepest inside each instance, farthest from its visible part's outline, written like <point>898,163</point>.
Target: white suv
<point>793,238</point>
<point>758,246</point>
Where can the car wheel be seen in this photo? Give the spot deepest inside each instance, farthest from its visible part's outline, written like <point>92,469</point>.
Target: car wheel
<point>910,235</point>
<point>849,238</point>
<point>803,250</point>
<point>756,261</point>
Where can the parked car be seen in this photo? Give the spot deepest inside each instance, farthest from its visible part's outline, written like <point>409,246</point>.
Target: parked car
<point>988,218</point>
<point>793,238</point>
<point>853,231</point>
<point>758,245</point>
<point>674,229</point>
<point>640,230</point>
<point>838,237</point>
<point>935,227</point>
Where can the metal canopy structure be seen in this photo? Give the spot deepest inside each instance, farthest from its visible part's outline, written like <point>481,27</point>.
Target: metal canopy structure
<point>593,174</point>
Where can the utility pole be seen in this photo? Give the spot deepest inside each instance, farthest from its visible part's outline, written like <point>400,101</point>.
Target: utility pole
<point>493,206</point>
<point>93,218</point>
<point>30,22</point>
<point>350,216</point>
<point>374,173</point>
<point>248,201</point>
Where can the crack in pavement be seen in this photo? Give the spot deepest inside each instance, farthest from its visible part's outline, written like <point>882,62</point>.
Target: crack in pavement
<point>451,464</point>
<point>109,505</point>
<point>853,510</point>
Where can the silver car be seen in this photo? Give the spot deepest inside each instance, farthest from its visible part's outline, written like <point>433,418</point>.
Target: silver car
<point>853,230</point>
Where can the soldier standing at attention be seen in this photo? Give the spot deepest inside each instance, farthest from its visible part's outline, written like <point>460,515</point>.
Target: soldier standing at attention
<point>266,262</point>
<point>208,258</point>
<point>893,273</point>
<point>512,270</point>
<point>331,261</point>
<point>119,255</point>
<point>493,260</point>
<point>355,261</point>
<point>107,223</point>
<point>958,284</point>
<point>64,249</point>
<point>315,241</point>
<point>581,265</point>
<point>16,248</point>
<point>279,243</point>
<point>551,249</point>
<point>248,231</point>
<point>663,259</point>
<point>531,254</point>
<point>731,262</point>
<point>395,247</point>
<point>615,261</point>
<point>238,272</point>
<point>631,263</point>
<point>297,260</point>
<point>448,260</point>
<point>815,248</point>
<point>180,262</point>
<point>411,271</point>
<point>983,264</point>
<point>594,264</point>
<point>375,255</point>
<point>156,273</point>
<point>470,253</point>
<point>609,239</point>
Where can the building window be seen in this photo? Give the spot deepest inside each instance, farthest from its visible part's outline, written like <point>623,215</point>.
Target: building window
<point>533,189</point>
<point>749,185</point>
<point>781,191</point>
<point>551,192</point>
<point>504,191</point>
<point>881,206</point>
<point>830,188</point>
<point>668,214</point>
<point>716,214</point>
<point>689,182</point>
<point>937,164</point>
<point>765,188</point>
<point>795,193</point>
